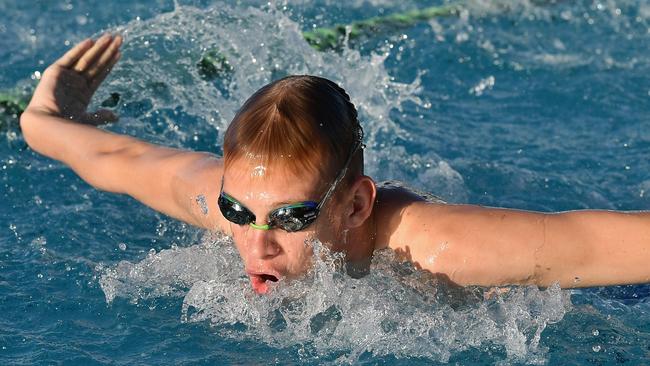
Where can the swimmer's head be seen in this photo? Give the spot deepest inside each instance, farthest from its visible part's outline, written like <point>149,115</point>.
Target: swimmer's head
<point>287,145</point>
<point>304,123</point>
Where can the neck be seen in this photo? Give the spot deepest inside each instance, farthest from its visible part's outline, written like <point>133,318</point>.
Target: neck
<point>361,245</point>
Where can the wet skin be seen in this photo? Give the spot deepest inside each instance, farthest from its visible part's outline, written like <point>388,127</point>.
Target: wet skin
<point>275,254</point>
<point>470,244</point>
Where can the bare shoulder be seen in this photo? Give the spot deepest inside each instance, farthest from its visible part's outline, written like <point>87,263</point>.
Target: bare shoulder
<point>405,215</point>
<point>468,243</point>
<point>401,211</point>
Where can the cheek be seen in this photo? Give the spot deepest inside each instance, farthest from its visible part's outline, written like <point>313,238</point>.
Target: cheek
<point>330,227</point>
<point>239,237</point>
<point>298,252</point>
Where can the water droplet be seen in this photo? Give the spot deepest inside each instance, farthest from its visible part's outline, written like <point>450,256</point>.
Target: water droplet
<point>203,204</point>
<point>39,241</point>
<point>122,246</point>
<point>596,348</point>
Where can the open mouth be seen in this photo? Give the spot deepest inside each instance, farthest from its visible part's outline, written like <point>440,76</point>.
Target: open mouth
<point>260,281</point>
<point>269,277</point>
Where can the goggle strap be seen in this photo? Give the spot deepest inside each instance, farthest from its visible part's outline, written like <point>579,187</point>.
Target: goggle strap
<point>358,145</point>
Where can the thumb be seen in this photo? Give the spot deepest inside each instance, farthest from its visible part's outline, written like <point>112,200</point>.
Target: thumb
<point>100,117</point>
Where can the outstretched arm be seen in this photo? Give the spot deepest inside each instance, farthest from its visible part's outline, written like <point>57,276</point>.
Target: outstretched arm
<point>56,123</point>
<point>492,246</point>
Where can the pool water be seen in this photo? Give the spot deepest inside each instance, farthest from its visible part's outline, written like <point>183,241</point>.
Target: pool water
<point>524,104</point>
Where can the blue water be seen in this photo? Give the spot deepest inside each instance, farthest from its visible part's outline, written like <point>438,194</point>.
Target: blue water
<point>515,104</point>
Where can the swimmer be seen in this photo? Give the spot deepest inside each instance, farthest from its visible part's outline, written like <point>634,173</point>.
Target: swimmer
<point>292,171</point>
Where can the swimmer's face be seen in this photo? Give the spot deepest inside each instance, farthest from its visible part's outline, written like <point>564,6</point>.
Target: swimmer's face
<point>271,255</point>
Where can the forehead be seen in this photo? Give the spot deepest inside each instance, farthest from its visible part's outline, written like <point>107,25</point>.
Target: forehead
<point>248,179</point>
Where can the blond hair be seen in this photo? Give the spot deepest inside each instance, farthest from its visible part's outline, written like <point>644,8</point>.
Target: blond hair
<point>302,122</point>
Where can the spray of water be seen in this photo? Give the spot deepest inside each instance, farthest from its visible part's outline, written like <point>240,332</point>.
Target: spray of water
<point>159,73</point>
<point>394,310</point>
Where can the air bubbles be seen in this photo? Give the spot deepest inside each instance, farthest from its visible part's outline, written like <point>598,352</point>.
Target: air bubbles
<point>122,246</point>
<point>595,332</point>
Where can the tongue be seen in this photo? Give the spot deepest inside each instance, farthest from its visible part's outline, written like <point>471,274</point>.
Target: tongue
<point>260,282</point>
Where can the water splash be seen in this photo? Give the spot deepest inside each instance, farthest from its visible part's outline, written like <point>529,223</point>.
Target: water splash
<point>158,73</point>
<point>395,310</point>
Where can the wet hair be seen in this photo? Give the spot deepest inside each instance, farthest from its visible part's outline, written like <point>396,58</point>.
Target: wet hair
<point>303,122</point>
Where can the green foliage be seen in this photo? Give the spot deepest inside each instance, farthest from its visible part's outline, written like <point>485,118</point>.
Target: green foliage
<point>214,65</point>
<point>332,38</point>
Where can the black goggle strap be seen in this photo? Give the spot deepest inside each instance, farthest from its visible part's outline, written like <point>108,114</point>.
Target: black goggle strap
<point>358,145</point>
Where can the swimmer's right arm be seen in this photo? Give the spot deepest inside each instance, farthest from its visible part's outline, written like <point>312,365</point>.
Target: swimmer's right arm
<point>56,124</point>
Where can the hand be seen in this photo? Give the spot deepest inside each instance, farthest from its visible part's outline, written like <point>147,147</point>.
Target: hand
<point>67,85</point>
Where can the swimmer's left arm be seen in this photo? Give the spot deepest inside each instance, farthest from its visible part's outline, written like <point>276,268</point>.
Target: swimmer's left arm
<point>595,248</point>
<point>493,246</point>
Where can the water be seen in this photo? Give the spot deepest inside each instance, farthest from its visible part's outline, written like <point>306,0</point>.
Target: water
<point>515,104</point>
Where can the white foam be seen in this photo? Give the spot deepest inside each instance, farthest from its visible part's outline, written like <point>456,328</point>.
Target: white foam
<point>394,310</point>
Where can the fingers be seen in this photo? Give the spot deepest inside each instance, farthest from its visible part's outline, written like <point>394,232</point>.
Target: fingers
<point>103,71</point>
<point>73,55</point>
<point>89,58</point>
<point>105,58</point>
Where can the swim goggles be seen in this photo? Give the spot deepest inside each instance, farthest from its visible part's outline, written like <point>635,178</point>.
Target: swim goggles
<point>290,218</point>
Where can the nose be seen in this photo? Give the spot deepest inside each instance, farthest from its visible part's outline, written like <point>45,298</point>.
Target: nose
<point>261,244</point>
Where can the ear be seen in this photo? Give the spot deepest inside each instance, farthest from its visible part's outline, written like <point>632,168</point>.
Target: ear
<point>363,192</point>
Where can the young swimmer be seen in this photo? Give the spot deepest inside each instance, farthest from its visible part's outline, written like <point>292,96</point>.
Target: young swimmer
<point>293,170</point>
